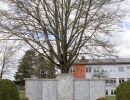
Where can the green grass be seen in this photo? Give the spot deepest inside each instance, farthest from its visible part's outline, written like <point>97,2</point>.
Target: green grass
<point>111,98</point>
<point>22,94</point>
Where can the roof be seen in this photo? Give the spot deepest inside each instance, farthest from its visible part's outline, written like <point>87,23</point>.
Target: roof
<point>103,61</point>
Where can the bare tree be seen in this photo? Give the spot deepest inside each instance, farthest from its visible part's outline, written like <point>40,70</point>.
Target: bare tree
<point>7,59</point>
<point>65,28</point>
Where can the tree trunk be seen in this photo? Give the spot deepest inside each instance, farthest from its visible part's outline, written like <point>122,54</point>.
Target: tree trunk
<point>1,73</point>
<point>3,67</point>
<point>65,69</point>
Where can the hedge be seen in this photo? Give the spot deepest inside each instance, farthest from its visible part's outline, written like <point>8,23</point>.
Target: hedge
<point>102,98</point>
<point>123,91</point>
<point>8,90</point>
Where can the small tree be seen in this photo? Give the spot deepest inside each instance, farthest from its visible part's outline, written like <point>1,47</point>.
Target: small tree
<point>8,90</point>
<point>123,91</point>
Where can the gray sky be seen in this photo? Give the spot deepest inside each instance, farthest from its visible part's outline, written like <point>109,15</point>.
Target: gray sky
<point>122,39</point>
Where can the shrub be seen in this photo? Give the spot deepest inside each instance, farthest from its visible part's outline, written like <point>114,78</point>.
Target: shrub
<point>123,91</point>
<point>8,90</point>
<point>102,98</point>
<point>26,98</point>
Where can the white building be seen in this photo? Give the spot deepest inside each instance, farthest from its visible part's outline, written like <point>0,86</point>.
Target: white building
<point>114,71</point>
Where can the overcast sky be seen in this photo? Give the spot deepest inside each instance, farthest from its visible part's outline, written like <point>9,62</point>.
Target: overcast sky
<point>122,39</point>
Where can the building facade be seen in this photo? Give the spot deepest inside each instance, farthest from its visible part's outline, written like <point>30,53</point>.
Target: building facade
<point>114,71</point>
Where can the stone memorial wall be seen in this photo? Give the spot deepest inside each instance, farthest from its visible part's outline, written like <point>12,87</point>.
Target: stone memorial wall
<point>64,87</point>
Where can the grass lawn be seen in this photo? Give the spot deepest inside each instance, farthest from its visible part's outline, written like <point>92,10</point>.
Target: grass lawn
<point>21,94</point>
<point>111,98</point>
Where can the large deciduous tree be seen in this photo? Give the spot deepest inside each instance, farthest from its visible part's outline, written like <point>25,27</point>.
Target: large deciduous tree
<point>63,27</point>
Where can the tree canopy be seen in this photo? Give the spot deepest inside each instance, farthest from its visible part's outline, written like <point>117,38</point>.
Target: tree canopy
<point>65,28</point>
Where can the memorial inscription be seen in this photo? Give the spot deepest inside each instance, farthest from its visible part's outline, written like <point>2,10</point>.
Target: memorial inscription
<point>65,87</point>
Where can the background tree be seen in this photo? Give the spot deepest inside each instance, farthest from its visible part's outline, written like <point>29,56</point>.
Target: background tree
<point>65,28</point>
<point>26,67</point>
<point>7,57</point>
<point>33,64</point>
<point>45,68</point>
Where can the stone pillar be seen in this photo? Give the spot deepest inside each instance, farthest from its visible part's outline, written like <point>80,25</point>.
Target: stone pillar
<point>65,87</point>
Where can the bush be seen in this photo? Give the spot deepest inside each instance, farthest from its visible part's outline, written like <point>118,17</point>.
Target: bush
<point>123,91</point>
<point>26,98</point>
<point>102,98</point>
<point>8,90</point>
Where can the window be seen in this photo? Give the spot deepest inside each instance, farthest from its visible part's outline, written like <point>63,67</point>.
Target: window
<point>128,68</point>
<point>113,92</point>
<point>88,69</point>
<point>128,79</point>
<point>96,70</point>
<point>107,81</point>
<point>113,80</point>
<point>103,70</point>
<point>121,80</point>
<point>121,69</point>
<point>106,92</point>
